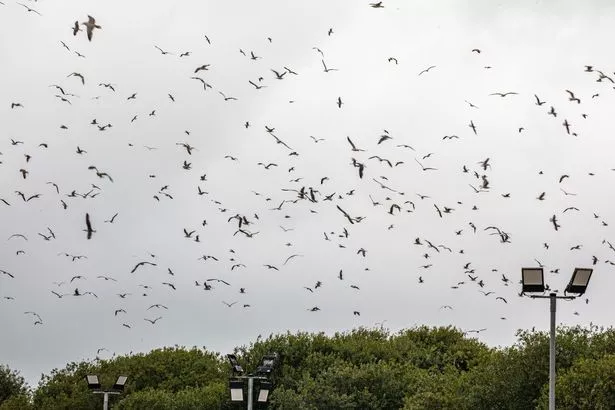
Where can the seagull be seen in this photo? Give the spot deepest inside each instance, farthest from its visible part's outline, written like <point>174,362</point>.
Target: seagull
<point>141,264</point>
<point>77,75</point>
<point>504,94</point>
<point>572,97</point>
<point>203,67</point>
<point>29,9</point>
<point>225,97</point>
<point>88,225</point>
<point>279,76</point>
<point>161,50</point>
<point>90,25</point>
<point>377,5</point>
<point>157,305</point>
<point>538,102</point>
<point>427,69</point>
<point>328,69</point>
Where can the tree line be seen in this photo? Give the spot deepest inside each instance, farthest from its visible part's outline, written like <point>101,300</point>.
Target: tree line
<point>418,368</point>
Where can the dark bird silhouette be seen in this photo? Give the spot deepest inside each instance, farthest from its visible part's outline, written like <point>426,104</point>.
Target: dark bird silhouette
<point>471,125</point>
<point>427,69</point>
<point>572,97</point>
<point>205,85</point>
<point>354,148</point>
<point>204,67</point>
<point>29,9</point>
<point>227,98</point>
<point>138,265</point>
<point>424,167</point>
<point>153,321</point>
<point>553,220</point>
<point>75,74</point>
<point>163,52</point>
<point>258,87</point>
<point>90,25</point>
<point>88,226</point>
<point>538,102</point>
<point>112,218</point>
<point>326,68</point>
<point>279,76</point>
<point>504,94</point>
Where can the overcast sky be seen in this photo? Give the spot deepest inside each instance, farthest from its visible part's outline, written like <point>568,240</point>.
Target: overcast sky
<point>375,56</point>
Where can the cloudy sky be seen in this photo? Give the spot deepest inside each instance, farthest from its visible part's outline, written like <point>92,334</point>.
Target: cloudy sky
<point>376,59</point>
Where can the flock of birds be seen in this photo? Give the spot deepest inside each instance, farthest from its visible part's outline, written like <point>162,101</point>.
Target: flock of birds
<point>305,195</point>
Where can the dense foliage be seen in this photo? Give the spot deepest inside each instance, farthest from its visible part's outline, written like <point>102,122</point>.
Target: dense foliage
<point>420,368</point>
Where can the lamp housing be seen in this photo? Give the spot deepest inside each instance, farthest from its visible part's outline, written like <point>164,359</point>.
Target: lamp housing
<point>264,390</point>
<point>93,382</point>
<point>234,364</point>
<point>532,280</point>
<point>579,281</point>
<point>236,387</point>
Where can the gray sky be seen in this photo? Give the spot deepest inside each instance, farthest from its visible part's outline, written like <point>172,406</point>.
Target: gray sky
<point>531,48</point>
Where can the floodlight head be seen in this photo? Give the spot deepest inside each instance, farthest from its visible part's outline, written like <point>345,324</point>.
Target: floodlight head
<point>532,280</point>
<point>263,393</point>
<point>234,364</point>
<point>268,364</point>
<point>579,281</point>
<point>120,383</point>
<point>93,382</point>
<point>236,387</point>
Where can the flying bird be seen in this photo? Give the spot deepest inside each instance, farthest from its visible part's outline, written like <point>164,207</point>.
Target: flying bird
<point>88,226</point>
<point>427,69</point>
<point>29,9</point>
<point>90,25</point>
<point>504,94</point>
<point>141,264</point>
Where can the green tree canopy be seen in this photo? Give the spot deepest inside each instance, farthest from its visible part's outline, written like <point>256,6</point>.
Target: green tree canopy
<point>418,368</point>
<point>11,384</point>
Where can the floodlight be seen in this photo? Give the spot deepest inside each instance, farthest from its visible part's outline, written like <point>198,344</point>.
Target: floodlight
<point>120,382</point>
<point>263,393</point>
<point>93,382</point>
<point>579,281</point>
<point>532,280</point>
<point>235,365</point>
<point>268,363</point>
<point>236,390</point>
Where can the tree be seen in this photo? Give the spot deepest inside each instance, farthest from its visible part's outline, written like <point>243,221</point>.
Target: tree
<point>11,384</point>
<point>159,372</point>
<point>588,384</point>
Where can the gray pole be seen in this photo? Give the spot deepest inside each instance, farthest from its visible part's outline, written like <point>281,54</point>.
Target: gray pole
<point>106,401</point>
<point>553,300</point>
<point>250,392</point>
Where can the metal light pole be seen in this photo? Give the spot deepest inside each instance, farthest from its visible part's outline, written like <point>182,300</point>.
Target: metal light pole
<point>552,302</point>
<point>106,397</point>
<point>250,392</point>
<point>532,280</point>
<point>263,375</point>
<point>94,385</point>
